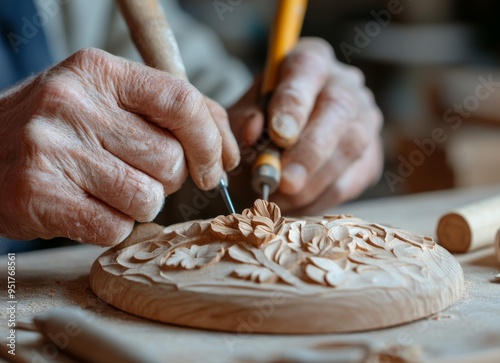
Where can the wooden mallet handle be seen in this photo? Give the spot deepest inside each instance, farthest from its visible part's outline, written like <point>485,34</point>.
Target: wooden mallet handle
<point>152,35</point>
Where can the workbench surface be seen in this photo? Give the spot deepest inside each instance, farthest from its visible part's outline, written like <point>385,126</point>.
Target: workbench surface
<point>469,331</point>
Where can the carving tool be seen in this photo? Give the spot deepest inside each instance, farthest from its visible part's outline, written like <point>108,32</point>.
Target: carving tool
<point>287,24</point>
<point>155,40</point>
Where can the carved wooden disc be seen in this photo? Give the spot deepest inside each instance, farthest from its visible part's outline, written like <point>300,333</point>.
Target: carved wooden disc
<point>260,272</point>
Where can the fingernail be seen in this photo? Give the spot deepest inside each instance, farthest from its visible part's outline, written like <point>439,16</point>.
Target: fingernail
<point>285,129</point>
<point>212,178</point>
<point>294,178</point>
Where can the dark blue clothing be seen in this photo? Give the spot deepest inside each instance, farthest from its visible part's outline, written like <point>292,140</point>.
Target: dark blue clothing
<point>23,51</point>
<point>23,45</point>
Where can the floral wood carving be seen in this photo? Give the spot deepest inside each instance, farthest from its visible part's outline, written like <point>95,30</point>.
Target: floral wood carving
<point>265,247</point>
<point>261,272</point>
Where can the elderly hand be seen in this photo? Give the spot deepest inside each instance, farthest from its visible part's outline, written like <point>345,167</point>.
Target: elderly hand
<point>330,120</point>
<point>92,145</point>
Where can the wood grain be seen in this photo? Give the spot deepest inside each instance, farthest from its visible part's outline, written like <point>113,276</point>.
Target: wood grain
<point>260,272</point>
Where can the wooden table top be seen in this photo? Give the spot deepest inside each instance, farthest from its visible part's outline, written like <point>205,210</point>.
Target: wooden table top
<point>469,331</point>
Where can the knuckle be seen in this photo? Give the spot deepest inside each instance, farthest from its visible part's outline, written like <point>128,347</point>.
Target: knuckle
<point>187,101</point>
<point>55,94</point>
<point>302,60</point>
<point>86,55</point>
<point>339,100</point>
<point>289,100</point>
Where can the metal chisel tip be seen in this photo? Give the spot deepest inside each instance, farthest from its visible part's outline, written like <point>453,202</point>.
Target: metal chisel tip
<point>265,191</point>
<point>225,195</point>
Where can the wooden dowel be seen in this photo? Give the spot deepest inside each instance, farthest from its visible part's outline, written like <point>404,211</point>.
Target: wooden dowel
<point>470,227</point>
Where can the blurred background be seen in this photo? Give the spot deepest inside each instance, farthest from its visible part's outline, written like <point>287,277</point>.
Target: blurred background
<point>432,65</point>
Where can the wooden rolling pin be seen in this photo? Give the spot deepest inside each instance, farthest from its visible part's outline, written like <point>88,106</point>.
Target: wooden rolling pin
<point>470,227</point>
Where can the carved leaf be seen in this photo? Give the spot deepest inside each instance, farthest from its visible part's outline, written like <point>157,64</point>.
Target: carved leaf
<point>280,252</point>
<point>316,274</point>
<point>242,255</point>
<point>338,233</point>
<point>196,256</point>
<point>255,273</point>
<point>320,244</point>
<point>325,271</point>
<point>152,251</point>
<point>309,231</point>
<point>377,242</point>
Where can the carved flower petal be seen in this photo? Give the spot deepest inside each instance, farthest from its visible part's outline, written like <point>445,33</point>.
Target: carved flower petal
<point>245,229</point>
<point>225,228</point>
<point>262,221</point>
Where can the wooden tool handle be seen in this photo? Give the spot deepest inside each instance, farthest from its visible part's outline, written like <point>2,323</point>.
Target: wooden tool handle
<point>470,227</point>
<point>284,34</point>
<point>153,36</point>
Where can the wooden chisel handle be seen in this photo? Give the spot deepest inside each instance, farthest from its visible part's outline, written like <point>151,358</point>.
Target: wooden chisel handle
<point>153,36</point>
<point>287,24</point>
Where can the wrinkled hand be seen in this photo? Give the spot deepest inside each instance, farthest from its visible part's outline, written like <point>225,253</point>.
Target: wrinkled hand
<point>95,143</point>
<point>328,123</point>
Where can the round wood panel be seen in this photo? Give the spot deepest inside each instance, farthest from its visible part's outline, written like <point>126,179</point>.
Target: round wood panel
<point>259,272</point>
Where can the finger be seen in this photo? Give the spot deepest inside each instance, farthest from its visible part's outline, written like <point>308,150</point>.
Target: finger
<point>114,182</point>
<point>301,78</point>
<point>86,219</point>
<point>57,207</point>
<point>180,108</point>
<point>334,111</point>
<point>349,150</point>
<point>165,100</point>
<point>146,147</point>
<point>246,116</point>
<point>230,150</point>
<point>362,173</point>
